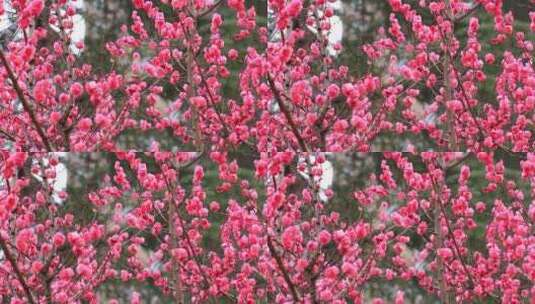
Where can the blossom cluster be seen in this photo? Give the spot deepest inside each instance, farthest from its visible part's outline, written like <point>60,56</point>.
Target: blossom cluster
<point>217,137</point>
<point>431,88</point>
<point>419,218</point>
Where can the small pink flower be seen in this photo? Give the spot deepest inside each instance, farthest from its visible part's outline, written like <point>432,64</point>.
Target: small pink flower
<point>76,89</point>
<point>291,237</point>
<point>324,237</point>
<point>25,240</point>
<point>58,239</point>
<point>445,253</point>
<point>85,124</point>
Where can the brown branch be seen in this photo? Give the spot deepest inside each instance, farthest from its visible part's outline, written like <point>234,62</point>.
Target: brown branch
<point>178,294</point>
<point>16,269</point>
<point>456,247</point>
<point>287,114</point>
<point>450,230</point>
<point>209,10</point>
<point>313,277</point>
<point>464,101</point>
<point>438,243</point>
<point>24,102</point>
<point>458,162</point>
<point>7,136</point>
<point>448,94</point>
<point>211,100</point>
<point>468,13</point>
<point>173,212</point>
<point>285,274</point>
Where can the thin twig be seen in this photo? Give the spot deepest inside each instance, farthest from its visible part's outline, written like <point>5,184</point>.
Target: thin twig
<point>448,90</point>
<point>209,10</point>
<point>19,275</point>
<point>287,114</point>
<point>285,275</point>
<point>438,244</point>
<point>458,162</point>
<point>24,102</point>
